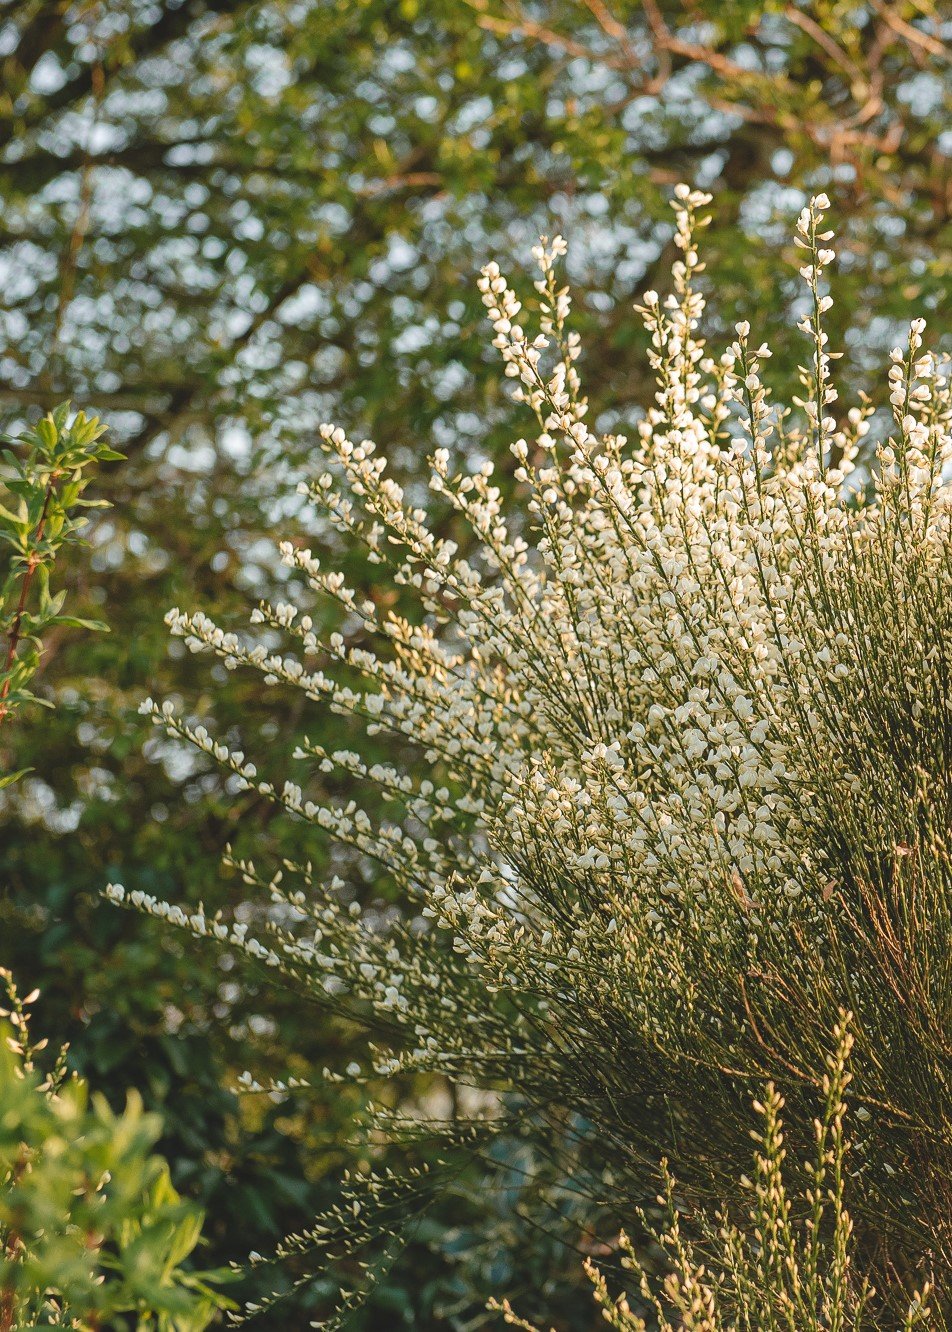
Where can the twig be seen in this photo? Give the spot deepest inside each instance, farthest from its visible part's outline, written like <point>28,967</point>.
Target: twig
<point>912,35</point>
<point>822,38</point>
<point>32,560</point>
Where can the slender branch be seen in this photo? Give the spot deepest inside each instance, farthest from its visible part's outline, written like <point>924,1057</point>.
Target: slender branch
<point>32,560</point>
<point>823,39</point>
<point>914,36</point>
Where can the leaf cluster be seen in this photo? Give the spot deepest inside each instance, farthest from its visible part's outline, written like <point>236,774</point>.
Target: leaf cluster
<point>91,1230</point>
<point>46,471</point>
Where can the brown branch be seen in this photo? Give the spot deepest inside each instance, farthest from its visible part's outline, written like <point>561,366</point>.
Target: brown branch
<point>912,35</point>
<point>12,1247</point>
<point>548,36</point>
<point>32,560</point>
<point>614,28</point>
<point>841,138</point>
<point>11,1250</point>
<point>822,38</point>
<point>411,181</point>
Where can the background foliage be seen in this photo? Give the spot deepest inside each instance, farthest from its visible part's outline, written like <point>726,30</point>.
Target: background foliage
<point>226,221</point>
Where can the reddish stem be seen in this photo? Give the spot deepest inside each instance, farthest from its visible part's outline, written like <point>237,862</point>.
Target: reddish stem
<point>11,1252</point>
<point>7,1294</point>
<point>32,562</point>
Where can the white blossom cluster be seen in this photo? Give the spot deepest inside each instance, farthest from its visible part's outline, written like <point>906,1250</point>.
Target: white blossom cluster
<point>664,700</point>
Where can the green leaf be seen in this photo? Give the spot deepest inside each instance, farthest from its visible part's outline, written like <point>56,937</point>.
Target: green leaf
<point>46,432</point>
<point>184,1239</point>
<point>79,622</point>
<point>60,415</point>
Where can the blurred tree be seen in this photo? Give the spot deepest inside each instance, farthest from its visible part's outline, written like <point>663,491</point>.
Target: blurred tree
<point>225,221</point>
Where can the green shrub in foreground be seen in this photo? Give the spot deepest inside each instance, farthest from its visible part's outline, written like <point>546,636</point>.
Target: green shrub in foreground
<point>91,1229</point>
<point>92,1233</point>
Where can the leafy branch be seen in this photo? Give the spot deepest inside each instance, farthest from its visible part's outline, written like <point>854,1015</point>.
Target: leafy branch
<point>41,499</point>
<point>92,1232</point>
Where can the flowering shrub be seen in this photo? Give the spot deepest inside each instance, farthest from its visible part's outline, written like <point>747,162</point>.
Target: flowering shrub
<point>683,789</point>
<point>782,1272</point>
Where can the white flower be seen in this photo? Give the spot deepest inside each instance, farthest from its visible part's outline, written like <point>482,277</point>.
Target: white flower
<point>632,689</point>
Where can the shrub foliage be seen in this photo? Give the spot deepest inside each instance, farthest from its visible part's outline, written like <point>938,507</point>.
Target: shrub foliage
<point>91,1230</point>
<point>784,1272</point>
<point>46,471</point>
<point>682,793</point>
<point>240,179</point>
